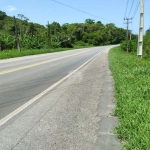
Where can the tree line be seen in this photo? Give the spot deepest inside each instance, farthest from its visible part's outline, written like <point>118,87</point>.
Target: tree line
<point>36,36</point>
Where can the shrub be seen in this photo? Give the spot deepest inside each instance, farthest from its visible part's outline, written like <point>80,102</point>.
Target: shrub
<point>132,45</point>
<point>146,46</point>
<point>80,43</point>
<point>55,45</point>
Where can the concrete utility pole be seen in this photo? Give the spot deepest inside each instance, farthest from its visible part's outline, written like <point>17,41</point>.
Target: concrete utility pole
<point>17,37</point>
<point>127,41</point>
<point>141,30</point>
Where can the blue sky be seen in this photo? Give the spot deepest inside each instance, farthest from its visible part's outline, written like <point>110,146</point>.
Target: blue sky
<point>41,11</point>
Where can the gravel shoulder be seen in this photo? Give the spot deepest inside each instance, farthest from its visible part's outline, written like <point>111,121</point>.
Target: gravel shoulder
<point>77,115</point>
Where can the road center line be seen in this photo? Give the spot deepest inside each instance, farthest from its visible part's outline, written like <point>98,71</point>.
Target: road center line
<point>18,110</point>
<point>37,64</point>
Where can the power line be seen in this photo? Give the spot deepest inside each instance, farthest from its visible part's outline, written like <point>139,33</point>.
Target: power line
<point>126,8</point>
<point>84,12</point>
<point>131,7</point>
<point>136,8</point>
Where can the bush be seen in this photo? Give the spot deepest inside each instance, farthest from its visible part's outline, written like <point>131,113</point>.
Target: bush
<point>132,45</point>
<point>32,42</point>
<point>107,43</point>
<point>55,45</point>
<point>7,42</point>
<point>80,43</point>
<point>66,43</point>
<point>147,49</point>
<point>146,46</point>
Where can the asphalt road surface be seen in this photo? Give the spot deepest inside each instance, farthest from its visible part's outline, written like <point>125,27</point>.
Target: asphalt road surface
<point>21,79</point>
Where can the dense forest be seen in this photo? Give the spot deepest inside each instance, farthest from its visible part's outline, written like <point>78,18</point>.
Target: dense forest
<point>36,36</point>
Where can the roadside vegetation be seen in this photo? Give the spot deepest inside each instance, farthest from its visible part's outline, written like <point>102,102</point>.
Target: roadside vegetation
<point>133,45</point>
<point>25,52</point>
<point>132,91</point>
<point>35,38</point>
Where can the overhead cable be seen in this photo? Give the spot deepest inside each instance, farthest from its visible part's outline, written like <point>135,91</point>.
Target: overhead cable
<point>136,8</point>
<point>84,12</point>
<point>126,8</point>
<point>131,8</point>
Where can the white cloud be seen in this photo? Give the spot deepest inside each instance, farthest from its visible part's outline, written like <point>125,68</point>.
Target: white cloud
<point>10,8</point>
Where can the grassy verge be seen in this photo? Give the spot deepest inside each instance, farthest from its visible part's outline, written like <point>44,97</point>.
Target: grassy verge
<point>14,53</point>
<point>132,91</point>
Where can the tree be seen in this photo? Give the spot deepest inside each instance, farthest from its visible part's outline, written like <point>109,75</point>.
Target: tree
<point>20,22</point>
<point>99,23</point>
<point>23,19</point>
<point>34,35</point>
<point>64,27</point>
<point>2,15</point>
<point>32,30</point>
<point>55,28</point>
<point>89,21</point>
<point>78,31</point>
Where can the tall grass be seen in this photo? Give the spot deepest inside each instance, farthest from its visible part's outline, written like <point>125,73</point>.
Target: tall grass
<point>132,91</point>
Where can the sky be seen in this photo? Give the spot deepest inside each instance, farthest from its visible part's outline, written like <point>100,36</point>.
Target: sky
<point>106,11</point>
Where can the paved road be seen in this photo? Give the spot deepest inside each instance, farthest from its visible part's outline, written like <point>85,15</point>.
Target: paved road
<point>75,115</point>
<point>21,79</point>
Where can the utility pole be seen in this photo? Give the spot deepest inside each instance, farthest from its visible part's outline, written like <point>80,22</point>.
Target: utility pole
<point>127,41</point>
<point>141,30</point>
<point>49,36</point>
<point>130,35</point>
<point>17,37</point>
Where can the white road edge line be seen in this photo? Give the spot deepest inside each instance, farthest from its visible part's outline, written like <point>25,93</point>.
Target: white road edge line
<point>18,110</point>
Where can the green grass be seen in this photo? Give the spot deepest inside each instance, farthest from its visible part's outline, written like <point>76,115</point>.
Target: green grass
<point>14,53</point>
<point>132,92</point>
